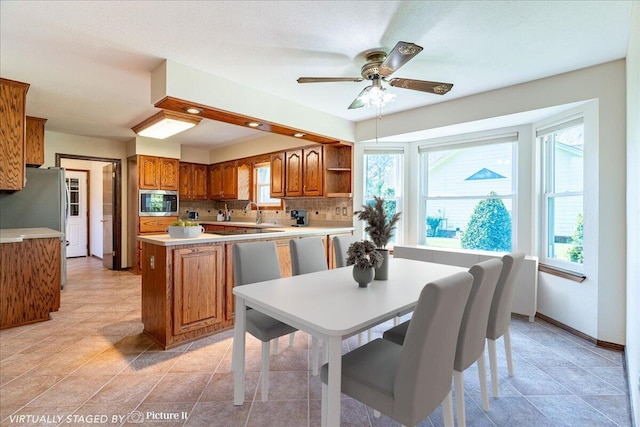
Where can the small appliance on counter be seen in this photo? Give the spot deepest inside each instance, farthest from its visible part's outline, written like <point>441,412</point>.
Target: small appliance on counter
<point>193,215</point>
<point>301,217</point>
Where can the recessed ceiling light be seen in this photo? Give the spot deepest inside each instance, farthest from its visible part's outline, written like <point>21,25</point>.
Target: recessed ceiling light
<point>254,124</point>
<point>193,110</point>
<point>298,134</point>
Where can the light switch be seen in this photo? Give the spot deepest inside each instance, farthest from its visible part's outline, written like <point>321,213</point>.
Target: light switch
<point>344,211</point>
<point>337,210</point>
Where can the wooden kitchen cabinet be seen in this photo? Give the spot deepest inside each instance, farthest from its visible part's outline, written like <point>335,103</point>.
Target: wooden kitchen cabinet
<point>35,141</point>
<point>13,96</point>
<point>182,292</point>
<point>338,162</point>
<point>302,172</point>
<point>198,284</point>
<point>157,173</point>
<point>192,181</point>
<point>223,180</point>
<point>278,177</point>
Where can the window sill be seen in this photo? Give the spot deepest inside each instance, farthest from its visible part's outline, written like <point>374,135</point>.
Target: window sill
<point>560,272</point>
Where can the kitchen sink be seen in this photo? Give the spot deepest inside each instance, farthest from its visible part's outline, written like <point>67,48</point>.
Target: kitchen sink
<point>244,230</point>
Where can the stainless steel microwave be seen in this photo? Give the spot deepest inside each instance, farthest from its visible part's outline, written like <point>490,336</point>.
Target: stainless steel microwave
<point>158,203</point>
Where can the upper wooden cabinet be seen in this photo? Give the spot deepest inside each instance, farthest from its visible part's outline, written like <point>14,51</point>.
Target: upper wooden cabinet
<point>297,173</point>
<point>13,97</point>
<point>35,141</point>
<point>338,162</point>
<point>192,181</point>
<point>157,173</point>
<point>278,176</point>
<point>223,180</point>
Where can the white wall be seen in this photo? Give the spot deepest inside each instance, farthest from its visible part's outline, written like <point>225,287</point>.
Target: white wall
<point>633,212</point>
<point>606,83</point>
<point>62,143</point>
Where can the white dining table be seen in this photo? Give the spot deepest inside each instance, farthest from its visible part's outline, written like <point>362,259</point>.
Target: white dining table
<point>330,305</point>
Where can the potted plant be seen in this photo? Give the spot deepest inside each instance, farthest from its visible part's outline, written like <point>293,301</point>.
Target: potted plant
<point>365,259</point>
<point>380,228</point>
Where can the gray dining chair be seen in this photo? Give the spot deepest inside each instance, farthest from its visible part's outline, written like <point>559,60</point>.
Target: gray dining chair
<point>340,246</point>
<point>407,382</point>
<point>257,262</point>
<point>471,338</point>
<point>309,255</point>
<point>500,314</point>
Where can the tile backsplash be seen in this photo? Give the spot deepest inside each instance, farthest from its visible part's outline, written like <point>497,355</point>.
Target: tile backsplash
<point>322,211</point>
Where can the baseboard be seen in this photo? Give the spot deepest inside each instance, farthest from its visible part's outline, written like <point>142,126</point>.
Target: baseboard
<point>597,342</point>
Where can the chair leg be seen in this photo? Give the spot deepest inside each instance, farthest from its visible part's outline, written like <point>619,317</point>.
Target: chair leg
<point>315,355</point>
<point>396,321</point>
<point>292,338</point>
<point>369,335</point>
<point>458,382</point>
<point>493,364</point>
<point>265,371</point>
<point>275,345</point>
<point>361,339</point>
<point>447,410</point>
<point>507,350</point>
<point>482,376</point>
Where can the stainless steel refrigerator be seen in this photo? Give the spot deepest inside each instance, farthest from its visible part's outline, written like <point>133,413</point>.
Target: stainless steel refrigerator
<point>42,203</point>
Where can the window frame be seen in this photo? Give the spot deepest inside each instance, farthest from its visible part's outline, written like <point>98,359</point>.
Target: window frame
<point>256,189</point>
<point>547,173</point>
<point>399,197</point>
<point>464,143</point>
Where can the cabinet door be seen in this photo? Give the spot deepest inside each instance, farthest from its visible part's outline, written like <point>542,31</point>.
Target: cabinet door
<point>185,185</point>
<point>230,180</point>
<point>312,171</point>
<point>148,172</point>
<point>293,172</point>
<point>199,182</point>
<point>35,141</point>
<point>215,181</point>
<point>12,127</point>
<point>168,173</point>
<point>278,177</point>
<point>198,281</point>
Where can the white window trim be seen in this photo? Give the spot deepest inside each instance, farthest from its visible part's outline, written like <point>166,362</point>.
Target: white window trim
<point>466,141</point>
<point>546,171</point>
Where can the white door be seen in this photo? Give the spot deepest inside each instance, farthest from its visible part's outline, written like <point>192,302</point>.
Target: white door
<point>77,231</point>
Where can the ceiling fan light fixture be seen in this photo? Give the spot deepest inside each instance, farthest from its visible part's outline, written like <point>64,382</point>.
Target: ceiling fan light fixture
<point>164,124</point>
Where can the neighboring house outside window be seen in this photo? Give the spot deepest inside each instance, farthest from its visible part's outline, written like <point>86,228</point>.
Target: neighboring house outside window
<point>468,194</point>
<point>383,177</point>
<point>563,178</point>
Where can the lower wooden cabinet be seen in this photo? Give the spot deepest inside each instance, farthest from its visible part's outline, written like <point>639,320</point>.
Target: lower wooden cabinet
<point>198,283</point>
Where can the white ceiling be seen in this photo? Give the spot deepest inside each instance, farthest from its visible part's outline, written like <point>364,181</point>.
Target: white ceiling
<point>89,62</point>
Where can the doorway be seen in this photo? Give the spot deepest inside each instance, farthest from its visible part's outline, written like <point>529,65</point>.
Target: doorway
<point>97,235</point>
<point>77,229</point>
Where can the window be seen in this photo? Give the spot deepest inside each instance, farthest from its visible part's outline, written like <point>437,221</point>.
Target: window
<point>383,172</point>
<point>563,171</point>
<point>262,174</point>
<point>468,194</point>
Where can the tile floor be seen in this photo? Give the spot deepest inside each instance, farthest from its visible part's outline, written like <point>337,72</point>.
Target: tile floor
<point>91,364</point>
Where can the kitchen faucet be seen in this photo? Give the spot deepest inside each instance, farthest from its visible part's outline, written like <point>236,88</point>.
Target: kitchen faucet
<point>258,214</point>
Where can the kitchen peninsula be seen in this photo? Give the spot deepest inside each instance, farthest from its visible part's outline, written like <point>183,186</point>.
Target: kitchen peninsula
<point>187,284</point>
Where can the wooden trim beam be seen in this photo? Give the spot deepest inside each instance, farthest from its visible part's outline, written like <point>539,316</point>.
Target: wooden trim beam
<point>597,342</point>
<point>181,106</point>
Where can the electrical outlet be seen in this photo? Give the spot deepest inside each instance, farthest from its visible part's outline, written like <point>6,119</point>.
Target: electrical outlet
<point>344,211</point>
<point>337,210</point>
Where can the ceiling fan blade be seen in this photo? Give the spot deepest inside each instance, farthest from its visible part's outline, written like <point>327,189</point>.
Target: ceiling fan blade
<point>421,85</point>
<point>357,103</point>
<point>400,55</point>
<point>328,79</point>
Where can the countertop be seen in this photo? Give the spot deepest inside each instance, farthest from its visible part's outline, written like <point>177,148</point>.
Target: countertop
<point>17,235</point>
<point>166,240</point>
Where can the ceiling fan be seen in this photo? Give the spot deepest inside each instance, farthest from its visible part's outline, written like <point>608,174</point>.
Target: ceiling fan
<point>378,68</point>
